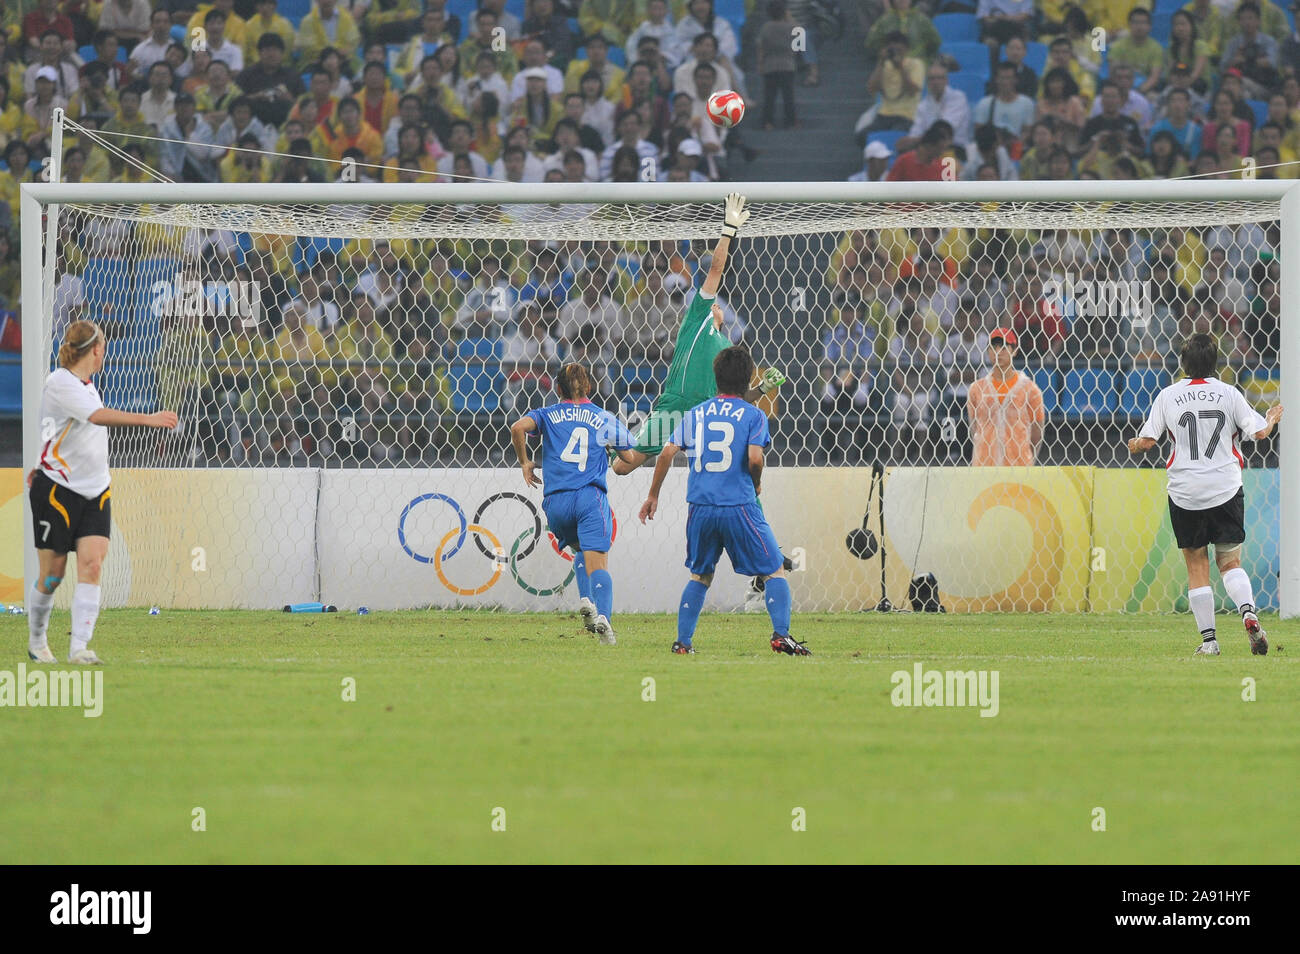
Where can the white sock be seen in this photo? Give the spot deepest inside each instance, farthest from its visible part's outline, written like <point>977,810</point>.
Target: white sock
<point>1201,600</point>
<point>1237,585</point>
<point>85,610</point>
<point>39,606</point>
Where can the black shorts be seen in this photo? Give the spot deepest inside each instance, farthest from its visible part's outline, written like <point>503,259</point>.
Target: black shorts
<point>60,517</point>
<point>1224,525</point>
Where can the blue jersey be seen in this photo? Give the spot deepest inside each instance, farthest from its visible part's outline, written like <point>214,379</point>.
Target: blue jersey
<point>717,435</point>
<point>574,437</point>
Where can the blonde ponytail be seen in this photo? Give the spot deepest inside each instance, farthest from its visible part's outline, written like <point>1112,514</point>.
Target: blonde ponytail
<point>77,342</point>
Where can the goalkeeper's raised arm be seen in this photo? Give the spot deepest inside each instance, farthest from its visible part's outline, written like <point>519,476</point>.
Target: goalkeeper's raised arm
<point>699,339</point>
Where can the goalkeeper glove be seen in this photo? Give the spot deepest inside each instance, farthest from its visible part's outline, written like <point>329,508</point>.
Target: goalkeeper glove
<point>734,215</point>
<point>770,381</point>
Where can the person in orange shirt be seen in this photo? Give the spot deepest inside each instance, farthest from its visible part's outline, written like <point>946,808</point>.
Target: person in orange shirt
<point>1005,409</point>
<point>350,131</point>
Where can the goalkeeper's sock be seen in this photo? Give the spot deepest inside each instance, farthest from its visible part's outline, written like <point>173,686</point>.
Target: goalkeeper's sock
<point>580,576</point>
<point>1201,600</point>
<point>39,606</point>
<point>688,611</point>
<point>777,594</point>
<point>602,593</point>
<point>85,610</point>
<point>1237,585</point>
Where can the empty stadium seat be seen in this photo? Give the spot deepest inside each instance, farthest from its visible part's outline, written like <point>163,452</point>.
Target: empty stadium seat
<point>972,84</point>
<point>483,349</point>
<point>1036,56</point>
<point>1162,25</point>
<point>516,7</point>
<point>970,57</point>
<point>475,388</point>
<point>1088,392</point>
<point>1141,385</point>
<point>888,137</point>
<point>1169,6</point>
<point>1260,108</point>
<point>957,27</point>
<point>11,385</point>
<point>295,10</point>
<point>1045,378</point>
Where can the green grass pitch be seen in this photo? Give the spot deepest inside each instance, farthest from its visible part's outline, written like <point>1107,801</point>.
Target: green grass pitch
<point>459,714</point>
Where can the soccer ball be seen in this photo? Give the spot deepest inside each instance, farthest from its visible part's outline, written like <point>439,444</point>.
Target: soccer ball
<point>726,108</point>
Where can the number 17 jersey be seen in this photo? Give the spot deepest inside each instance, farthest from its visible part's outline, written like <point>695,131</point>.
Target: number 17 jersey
<point>1205,419</point>
<point>716,436</point>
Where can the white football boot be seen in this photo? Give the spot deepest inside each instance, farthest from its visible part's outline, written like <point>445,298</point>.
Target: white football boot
<point>588,611</point>
<point>1210,648</point>
<point>42,655</point>
<point>85,657</point>
<point>605,632</point>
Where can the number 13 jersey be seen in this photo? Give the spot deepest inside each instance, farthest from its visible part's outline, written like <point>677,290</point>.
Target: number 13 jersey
<point>1205,419</point>
<point>716,436</point>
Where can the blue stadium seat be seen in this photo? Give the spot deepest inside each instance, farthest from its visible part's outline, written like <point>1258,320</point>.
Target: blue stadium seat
<point>972,84</point>
<point>307,250</point>
<point>128,381</point>
<point>970,57</point>
<point>1162,26</point>
<point>957,27</point>
<point>484,349</point>
<point>475,388</point>
<point>294,10</point>
<point>87,53</point>
<point>1260,108</point>
<point>1045,378</point>
<point>107,284</point>
<point>11,385</point>
<point>1088,393</point>
<point>888,137</point>
<point>1036,56</point>
<point>1141,385</point>
<point>516,7</point>
<point>1169,6</point>
<point>730,9</point>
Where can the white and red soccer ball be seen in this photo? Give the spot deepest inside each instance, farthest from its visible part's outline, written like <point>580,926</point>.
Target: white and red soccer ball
<point>726,108</point>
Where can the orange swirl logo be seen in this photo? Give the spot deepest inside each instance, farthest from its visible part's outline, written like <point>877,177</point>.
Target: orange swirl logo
<point>1034,591</point>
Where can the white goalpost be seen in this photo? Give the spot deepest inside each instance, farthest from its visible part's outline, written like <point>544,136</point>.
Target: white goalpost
<point>346,359</point>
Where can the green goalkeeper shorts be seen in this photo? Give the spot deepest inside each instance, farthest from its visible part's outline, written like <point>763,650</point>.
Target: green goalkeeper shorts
<point>659,426</point>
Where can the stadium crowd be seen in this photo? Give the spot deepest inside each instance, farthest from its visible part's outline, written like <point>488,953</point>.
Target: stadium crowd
<point>403,337</point>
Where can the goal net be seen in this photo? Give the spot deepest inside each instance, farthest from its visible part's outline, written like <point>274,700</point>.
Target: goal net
<point>346,360</point>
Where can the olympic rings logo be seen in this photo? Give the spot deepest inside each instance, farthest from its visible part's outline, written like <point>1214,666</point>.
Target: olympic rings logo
<point>473,528</point>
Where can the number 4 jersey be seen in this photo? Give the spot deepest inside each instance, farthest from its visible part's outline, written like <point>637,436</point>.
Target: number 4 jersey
<point>574,437</point>
<point>1205,418</point>
<point>716,435</point>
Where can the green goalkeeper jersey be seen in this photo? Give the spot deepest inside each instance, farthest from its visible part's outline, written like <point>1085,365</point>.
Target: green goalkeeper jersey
<point>690,375</point>
<point>690,378</point>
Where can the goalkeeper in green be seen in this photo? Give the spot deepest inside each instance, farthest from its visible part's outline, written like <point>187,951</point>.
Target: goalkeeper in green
<point>699,340</point>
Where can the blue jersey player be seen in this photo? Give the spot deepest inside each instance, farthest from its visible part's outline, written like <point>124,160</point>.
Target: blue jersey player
<point>724,438</point>
<point>574,435</point>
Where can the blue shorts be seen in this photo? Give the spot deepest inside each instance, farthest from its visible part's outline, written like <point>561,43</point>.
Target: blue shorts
<point>581,518</point>
<point>741,530</point>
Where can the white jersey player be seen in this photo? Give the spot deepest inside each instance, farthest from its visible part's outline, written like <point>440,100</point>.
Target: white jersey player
<point>70,495</point>
<point>1205,419</point>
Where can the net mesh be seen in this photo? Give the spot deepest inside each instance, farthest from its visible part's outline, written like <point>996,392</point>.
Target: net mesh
<point>618,222</point>
<point>346,375</point>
